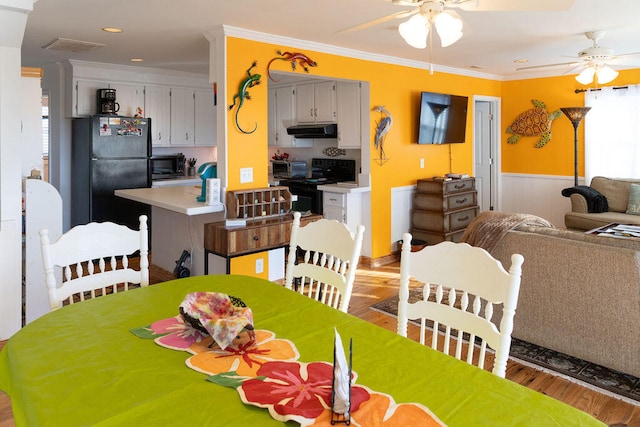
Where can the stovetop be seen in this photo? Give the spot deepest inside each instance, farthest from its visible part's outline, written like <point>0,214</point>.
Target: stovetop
<point>324,172</point>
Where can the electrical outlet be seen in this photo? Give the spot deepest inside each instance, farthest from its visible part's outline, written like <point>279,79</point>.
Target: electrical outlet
<point>259,265</point>
<point>421,163</point>
<point>246,175</point>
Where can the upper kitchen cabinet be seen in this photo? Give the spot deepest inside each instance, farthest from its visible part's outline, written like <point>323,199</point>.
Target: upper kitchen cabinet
<point>182,116</point>
<point>316,102</point>
<point>193,117</point>
<point>84,99</point>
<point>281,105</point>
<point>204,117</point>
<point>130,97</point>
<point>157,107</point>
<point>349,114</point>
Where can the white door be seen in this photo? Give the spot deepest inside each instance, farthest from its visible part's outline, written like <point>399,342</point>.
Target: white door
<point>486,151</point>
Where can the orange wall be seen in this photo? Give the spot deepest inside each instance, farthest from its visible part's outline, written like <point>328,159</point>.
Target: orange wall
<point>395,87</point>
<point>398,88</point>
<point>556,158</point>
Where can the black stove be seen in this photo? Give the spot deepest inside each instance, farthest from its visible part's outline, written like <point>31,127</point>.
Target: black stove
<point>323,172</point>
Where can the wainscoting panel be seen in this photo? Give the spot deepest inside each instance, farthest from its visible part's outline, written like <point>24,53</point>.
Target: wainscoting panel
<point>537,195</point>
<point>401,205</point>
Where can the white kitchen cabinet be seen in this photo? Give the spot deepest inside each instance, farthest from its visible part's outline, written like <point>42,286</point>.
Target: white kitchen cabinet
<point>85,97</point>
<point>182,117</point>
<point>281,105</point>
<point>157,107</point>
<point>204,118</point>
<point>130,97</point>
<point>316,102</point>
<point>343,207</point>
<point>348,114</point>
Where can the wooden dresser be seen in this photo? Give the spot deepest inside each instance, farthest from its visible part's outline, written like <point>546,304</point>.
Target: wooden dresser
<point>258,235</point>
<point>443,209</point>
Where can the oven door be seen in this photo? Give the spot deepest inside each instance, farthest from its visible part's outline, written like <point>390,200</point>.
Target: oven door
<point>309,199</point>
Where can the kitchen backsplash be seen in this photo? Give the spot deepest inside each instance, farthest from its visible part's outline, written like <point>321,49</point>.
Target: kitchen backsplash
<point>203,154</point>
<point>316,151</point>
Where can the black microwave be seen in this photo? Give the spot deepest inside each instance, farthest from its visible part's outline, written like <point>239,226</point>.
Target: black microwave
<point>167,166</point>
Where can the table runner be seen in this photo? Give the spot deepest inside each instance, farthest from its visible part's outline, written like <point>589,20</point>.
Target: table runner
<point>266,373</point>
<point>118,379</point>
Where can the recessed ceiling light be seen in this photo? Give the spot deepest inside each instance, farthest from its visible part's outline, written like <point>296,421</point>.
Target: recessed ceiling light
<point>520,61</point>
<point>112,30</point>
<point>136,60</point>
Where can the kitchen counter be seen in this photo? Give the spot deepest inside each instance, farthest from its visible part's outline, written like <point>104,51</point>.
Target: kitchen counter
<point>180,199</point>
<point>177,224</point>
<point>187,180</point>
<point>343,188</point>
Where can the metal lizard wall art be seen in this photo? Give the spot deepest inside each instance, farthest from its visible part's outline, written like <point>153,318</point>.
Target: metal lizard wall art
<point>250,81</point>
<point>295,58</point>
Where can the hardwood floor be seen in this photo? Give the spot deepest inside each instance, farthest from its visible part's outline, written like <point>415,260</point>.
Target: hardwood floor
<point>377,284</point>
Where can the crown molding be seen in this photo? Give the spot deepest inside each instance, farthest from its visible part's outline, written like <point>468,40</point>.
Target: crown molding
<point>351,53</point>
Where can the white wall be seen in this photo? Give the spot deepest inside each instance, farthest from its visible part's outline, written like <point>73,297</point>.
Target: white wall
<point>13,19</point>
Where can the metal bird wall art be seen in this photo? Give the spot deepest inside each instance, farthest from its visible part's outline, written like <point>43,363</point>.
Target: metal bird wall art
<point>382,128</point>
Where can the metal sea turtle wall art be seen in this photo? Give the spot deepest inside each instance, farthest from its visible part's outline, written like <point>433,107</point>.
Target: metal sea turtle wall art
<point>533,122</point>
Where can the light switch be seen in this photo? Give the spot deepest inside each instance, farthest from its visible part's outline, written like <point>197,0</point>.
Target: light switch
<point>246,175</point>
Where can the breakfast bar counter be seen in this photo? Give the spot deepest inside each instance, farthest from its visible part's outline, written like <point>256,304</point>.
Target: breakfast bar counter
<point>177,224</point>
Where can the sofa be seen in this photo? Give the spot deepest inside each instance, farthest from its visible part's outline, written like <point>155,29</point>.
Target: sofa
<point>579,294</point>
<point>616,192</point>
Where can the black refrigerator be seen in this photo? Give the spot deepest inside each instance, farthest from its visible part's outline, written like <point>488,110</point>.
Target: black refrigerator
<point>109,153</point>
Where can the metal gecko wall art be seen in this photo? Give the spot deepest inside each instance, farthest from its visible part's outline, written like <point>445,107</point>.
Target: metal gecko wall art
<point>294,58</point>
<point>243,94</point>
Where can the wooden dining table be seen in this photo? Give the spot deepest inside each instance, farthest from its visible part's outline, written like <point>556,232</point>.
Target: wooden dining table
<point>88,364</point>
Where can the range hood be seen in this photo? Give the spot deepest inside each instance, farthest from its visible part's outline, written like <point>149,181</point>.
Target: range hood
<point>326,130</point>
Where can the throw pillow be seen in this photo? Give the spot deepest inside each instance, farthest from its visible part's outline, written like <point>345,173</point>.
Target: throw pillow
<point>634,200</point>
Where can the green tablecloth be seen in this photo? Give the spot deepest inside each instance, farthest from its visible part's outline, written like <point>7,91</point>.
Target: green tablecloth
<point>81,365</point>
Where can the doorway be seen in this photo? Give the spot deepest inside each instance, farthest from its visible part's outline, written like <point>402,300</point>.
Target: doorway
<point>486,151</point>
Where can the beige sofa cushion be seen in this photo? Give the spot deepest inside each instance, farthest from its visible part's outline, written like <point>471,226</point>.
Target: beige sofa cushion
<point>616,190</point>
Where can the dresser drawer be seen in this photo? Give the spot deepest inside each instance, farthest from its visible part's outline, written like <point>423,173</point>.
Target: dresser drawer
<point>257,235</point>
<point>334,199</point>
<point>444,203</point>
<point>444,222</point>
<point>445,187</point>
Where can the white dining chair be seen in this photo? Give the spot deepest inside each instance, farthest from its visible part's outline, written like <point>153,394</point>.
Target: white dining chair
<point>94,259</point>
<point>326,268</point>
<point>463,285</point>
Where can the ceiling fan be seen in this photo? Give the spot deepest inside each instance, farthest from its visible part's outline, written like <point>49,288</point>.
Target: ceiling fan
<point>594,61</point>
<point>426,14</point>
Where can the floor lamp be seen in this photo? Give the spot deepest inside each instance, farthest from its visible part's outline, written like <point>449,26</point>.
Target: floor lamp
<point>575,114</point>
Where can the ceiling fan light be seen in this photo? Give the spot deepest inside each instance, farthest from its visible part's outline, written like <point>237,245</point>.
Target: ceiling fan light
<point>449,28</point>
<point>415,31</point>
<point>586,76</point>
<point>605,74</point>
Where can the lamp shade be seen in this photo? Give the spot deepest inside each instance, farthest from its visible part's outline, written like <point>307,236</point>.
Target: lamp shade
<point>415,31</point>
<point>586,76</point>
<point>606,74</point>
<point>449,28</point>
<point>603,73</point>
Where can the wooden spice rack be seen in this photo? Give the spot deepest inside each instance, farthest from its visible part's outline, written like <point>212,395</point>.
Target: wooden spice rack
<point>258,203</point>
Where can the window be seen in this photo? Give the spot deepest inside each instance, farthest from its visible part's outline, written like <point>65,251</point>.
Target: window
<point>45,126</point>
<point>612,133</point>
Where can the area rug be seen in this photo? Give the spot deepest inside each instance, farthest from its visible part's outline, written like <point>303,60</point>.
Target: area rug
<point>607,380</point>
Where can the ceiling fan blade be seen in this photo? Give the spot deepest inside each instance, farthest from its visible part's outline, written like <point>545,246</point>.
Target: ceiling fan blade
<point>513,6</point>
<point>575,69</point>
<point>627,54</point>
<point>533,67</point>
<point>397,15</point>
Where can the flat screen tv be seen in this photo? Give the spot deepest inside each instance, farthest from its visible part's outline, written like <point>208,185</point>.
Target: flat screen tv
<point>443,118</point>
